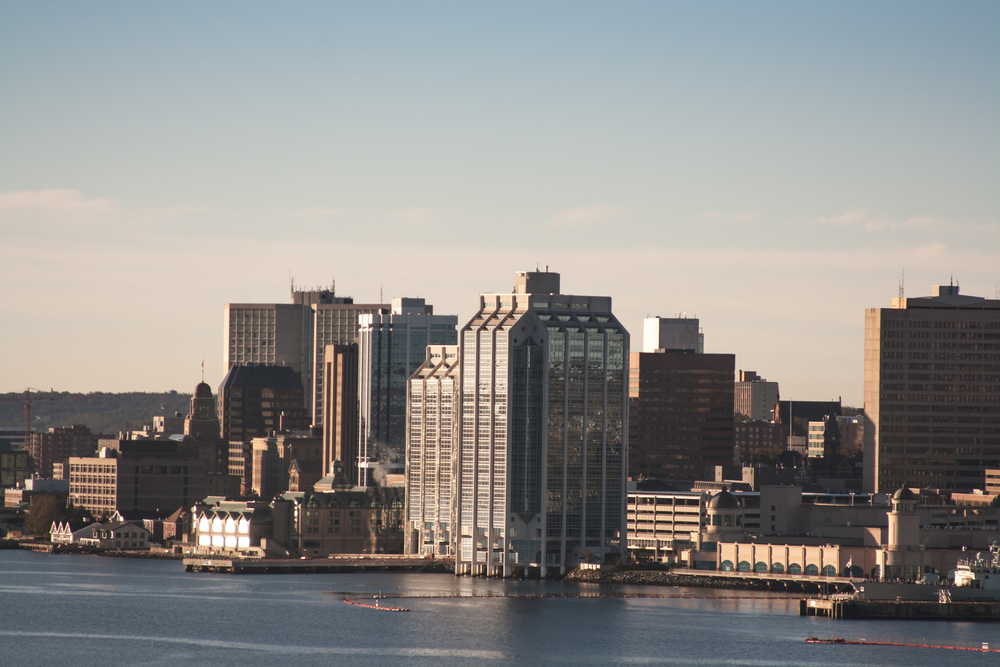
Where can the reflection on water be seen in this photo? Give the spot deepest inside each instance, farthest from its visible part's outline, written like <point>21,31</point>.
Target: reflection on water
<point>87,610</point>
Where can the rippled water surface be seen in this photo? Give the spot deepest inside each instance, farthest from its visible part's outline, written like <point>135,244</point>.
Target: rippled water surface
<point>88,610</point>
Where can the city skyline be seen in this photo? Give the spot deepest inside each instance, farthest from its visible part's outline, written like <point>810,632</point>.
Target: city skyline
<point>771,169</point>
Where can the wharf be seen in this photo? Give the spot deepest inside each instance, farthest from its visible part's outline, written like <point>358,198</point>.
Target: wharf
<point>340,563</point>
<point>918,610</point>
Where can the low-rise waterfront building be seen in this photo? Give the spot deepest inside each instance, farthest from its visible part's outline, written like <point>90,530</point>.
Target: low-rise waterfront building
<point>358,520</point>
<point>123,535</point>
<point>232,527</point>
<point>142,475</point>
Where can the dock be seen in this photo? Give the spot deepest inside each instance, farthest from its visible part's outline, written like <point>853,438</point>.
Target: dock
<point>918,610</point>
<point>340,563</point>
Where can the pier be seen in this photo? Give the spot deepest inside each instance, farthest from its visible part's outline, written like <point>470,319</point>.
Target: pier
<point>920,610</point>
<point>340,563</point>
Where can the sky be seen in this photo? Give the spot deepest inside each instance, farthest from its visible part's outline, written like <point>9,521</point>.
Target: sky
<point>773,168</point>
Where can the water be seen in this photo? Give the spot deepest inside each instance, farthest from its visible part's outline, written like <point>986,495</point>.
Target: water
<point>88,610</point>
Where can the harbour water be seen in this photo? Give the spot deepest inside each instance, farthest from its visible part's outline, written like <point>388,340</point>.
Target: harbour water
<point>89,610</point>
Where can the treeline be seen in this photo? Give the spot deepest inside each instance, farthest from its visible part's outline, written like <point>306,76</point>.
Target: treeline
<point>103,412</point>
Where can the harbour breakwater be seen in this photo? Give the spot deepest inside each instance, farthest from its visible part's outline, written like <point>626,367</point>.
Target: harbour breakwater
<point>661,578</point>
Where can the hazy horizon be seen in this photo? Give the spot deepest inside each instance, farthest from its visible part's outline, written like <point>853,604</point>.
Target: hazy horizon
<point>771,168</point>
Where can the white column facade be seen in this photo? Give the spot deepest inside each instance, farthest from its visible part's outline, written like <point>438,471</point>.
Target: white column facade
<point>544,440</point>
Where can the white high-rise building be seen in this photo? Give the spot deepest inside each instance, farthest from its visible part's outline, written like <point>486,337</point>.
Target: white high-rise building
<point>391,346</point>
<point>432,436</point>
<point>544,439</point>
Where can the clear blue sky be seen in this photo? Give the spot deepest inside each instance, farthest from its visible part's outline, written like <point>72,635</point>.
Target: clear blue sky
<point>769,167</point>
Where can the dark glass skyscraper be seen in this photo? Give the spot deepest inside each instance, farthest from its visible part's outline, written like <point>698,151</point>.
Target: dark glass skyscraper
<point>391,347</point>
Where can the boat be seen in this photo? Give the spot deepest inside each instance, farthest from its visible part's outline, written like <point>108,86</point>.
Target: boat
<point>981,572</point>
<point>375,606</point>
<point>977,579</point>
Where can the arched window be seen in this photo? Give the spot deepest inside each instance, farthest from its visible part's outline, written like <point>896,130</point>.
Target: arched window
<point>727,566</point>
<point>812,570</point>
<point>760,567</point>
<point>829,571</point>
<point>777,568</point>
<point>744,566</point>
<point>794,568</point>
<point>355,503</point>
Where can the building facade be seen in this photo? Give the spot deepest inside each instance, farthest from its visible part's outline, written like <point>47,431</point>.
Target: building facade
<point>272,458</point>
<point>58,444</point>
<point>390,348</point>
<point>15,466</point>
<point>340,409</point>
<point>350,521</point>
<point>680,414</point>
<point>256,528</point>
<point>257,400</point>
<point>295,335</point>
<point>432,437</point>
<point>143,476</point>
<point>754,438</point>
<point>932,392</point>
<point>202,421</point>
<point>543,443</point>
<point>755,398</point>
<point>661,523</point>
<point>672,333</point>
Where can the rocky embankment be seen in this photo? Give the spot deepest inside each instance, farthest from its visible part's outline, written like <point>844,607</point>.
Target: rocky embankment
<point>661,578</point>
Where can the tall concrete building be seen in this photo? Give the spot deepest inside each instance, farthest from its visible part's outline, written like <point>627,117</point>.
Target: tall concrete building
<point>391,346</point>
<point>432,436</point>
<point>294,334</point>
<point>680,414</point>
<point>672,333</point>
<point>340,409</point>
<point>932,392</point>
<point>755,397</point>
<point>543,445</point>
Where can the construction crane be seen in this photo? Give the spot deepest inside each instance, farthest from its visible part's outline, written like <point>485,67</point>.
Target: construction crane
<point>27,399</point>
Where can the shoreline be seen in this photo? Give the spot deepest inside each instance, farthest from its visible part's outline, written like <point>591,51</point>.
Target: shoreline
<point>631,577</point>
<point>627,577</point>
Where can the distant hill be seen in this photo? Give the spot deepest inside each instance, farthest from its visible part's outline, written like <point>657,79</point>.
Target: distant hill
<point>102,412</point>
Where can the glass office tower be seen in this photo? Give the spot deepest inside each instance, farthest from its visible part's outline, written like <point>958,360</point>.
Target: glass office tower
<point>390,348</point>
<point>542,461</point>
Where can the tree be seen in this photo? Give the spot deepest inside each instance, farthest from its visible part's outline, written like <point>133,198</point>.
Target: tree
<point>44,510</point>
<point>75,513</point>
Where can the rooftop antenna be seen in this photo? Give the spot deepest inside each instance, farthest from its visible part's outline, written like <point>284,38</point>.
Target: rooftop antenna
<point>902,280</point>
<point>291,279</point>
<point>333,286</point>
<point>380,294</point>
